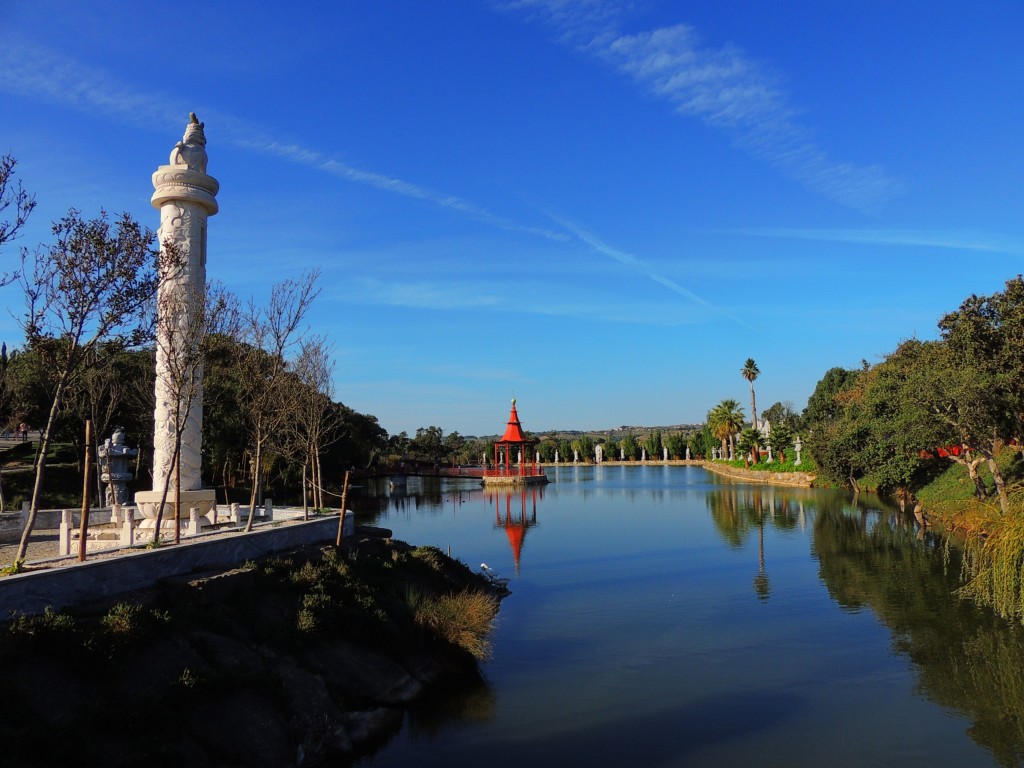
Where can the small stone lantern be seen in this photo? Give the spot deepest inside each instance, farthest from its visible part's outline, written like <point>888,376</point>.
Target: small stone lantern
<point>114,456</point>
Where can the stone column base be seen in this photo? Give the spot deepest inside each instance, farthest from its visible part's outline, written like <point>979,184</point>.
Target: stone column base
<point>148,502</point>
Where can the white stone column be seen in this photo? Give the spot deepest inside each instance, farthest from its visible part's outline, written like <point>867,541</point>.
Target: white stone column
<point>186,197</point>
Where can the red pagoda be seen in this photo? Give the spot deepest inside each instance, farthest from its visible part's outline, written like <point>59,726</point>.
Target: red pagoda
<point>509,469</point>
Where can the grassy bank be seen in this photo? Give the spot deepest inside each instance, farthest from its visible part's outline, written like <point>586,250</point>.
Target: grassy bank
<point>993,542</point>
<point>806,465</point>
<point>314,654</point>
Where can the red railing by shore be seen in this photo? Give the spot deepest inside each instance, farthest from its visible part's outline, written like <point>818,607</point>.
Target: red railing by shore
<point>477,472</point>
<point>521,471</point>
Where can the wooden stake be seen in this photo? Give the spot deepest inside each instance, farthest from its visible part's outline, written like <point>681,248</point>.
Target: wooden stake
<point>177,496</point>
<point>84,530</point>
<point>305,495</point>
<point>341,522</point>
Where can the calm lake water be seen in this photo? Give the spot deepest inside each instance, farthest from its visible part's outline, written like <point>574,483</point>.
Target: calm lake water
<point>661,616</point>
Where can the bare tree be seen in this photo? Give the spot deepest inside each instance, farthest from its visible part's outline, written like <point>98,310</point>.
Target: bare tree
<point>99,397</point>
<point>184,317</point>
<point>15,206</point>
<point>92,285</point>
<point>270,333</point>
<point>316,420</point>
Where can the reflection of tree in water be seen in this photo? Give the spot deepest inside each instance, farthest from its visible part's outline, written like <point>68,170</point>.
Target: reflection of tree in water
<point>967,658</point>
<point>737,510</point>
<point>469,699</point>
<point>375,498</point>
<point>732,515</point>
<point>761,580</point>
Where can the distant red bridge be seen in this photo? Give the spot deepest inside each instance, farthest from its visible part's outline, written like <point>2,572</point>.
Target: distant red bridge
<point>422,469</point>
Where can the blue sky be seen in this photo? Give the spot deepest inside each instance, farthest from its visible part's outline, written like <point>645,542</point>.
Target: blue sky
<point>601,207</point>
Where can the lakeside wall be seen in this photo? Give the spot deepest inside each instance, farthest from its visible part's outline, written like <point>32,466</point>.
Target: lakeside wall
<point>793,479</point>
<point>107,577</point>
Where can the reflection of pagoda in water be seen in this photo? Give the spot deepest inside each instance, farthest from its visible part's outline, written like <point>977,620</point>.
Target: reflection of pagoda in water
<point>516,521</point>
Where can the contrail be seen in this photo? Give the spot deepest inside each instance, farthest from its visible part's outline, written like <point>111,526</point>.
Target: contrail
<point>640,266</point>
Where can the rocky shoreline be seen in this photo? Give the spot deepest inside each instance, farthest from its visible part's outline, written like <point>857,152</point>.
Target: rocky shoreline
<point>306,658</point>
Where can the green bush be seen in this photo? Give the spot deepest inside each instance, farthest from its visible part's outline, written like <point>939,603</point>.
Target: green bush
<point>46,624</point>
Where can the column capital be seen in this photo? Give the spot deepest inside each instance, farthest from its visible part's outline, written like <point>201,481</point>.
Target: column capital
<point>179,182</point>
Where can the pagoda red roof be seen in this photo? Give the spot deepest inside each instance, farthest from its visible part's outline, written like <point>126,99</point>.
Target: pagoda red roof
<point>514,431</point>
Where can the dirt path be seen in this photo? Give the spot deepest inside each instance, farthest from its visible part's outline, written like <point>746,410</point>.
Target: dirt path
<point>41,546</point>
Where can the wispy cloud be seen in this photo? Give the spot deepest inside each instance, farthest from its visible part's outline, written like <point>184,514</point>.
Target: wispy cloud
<point>722,86</point>
<point>960,241</point>
<point>39,74</point>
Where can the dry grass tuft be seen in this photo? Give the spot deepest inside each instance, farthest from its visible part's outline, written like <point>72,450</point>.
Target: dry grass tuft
<point>464,619</point>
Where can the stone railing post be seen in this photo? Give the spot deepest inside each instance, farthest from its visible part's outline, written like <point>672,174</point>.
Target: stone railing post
<point>64,537</point>
<point>128,528</point>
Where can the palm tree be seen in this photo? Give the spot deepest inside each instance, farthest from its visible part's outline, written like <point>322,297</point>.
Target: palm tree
<point>780,439</point>
<point>726,420</point>
<point>749,371</point>
<point>748,444</point>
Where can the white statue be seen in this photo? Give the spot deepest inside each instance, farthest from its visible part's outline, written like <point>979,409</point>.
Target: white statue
<point>191,150</point>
